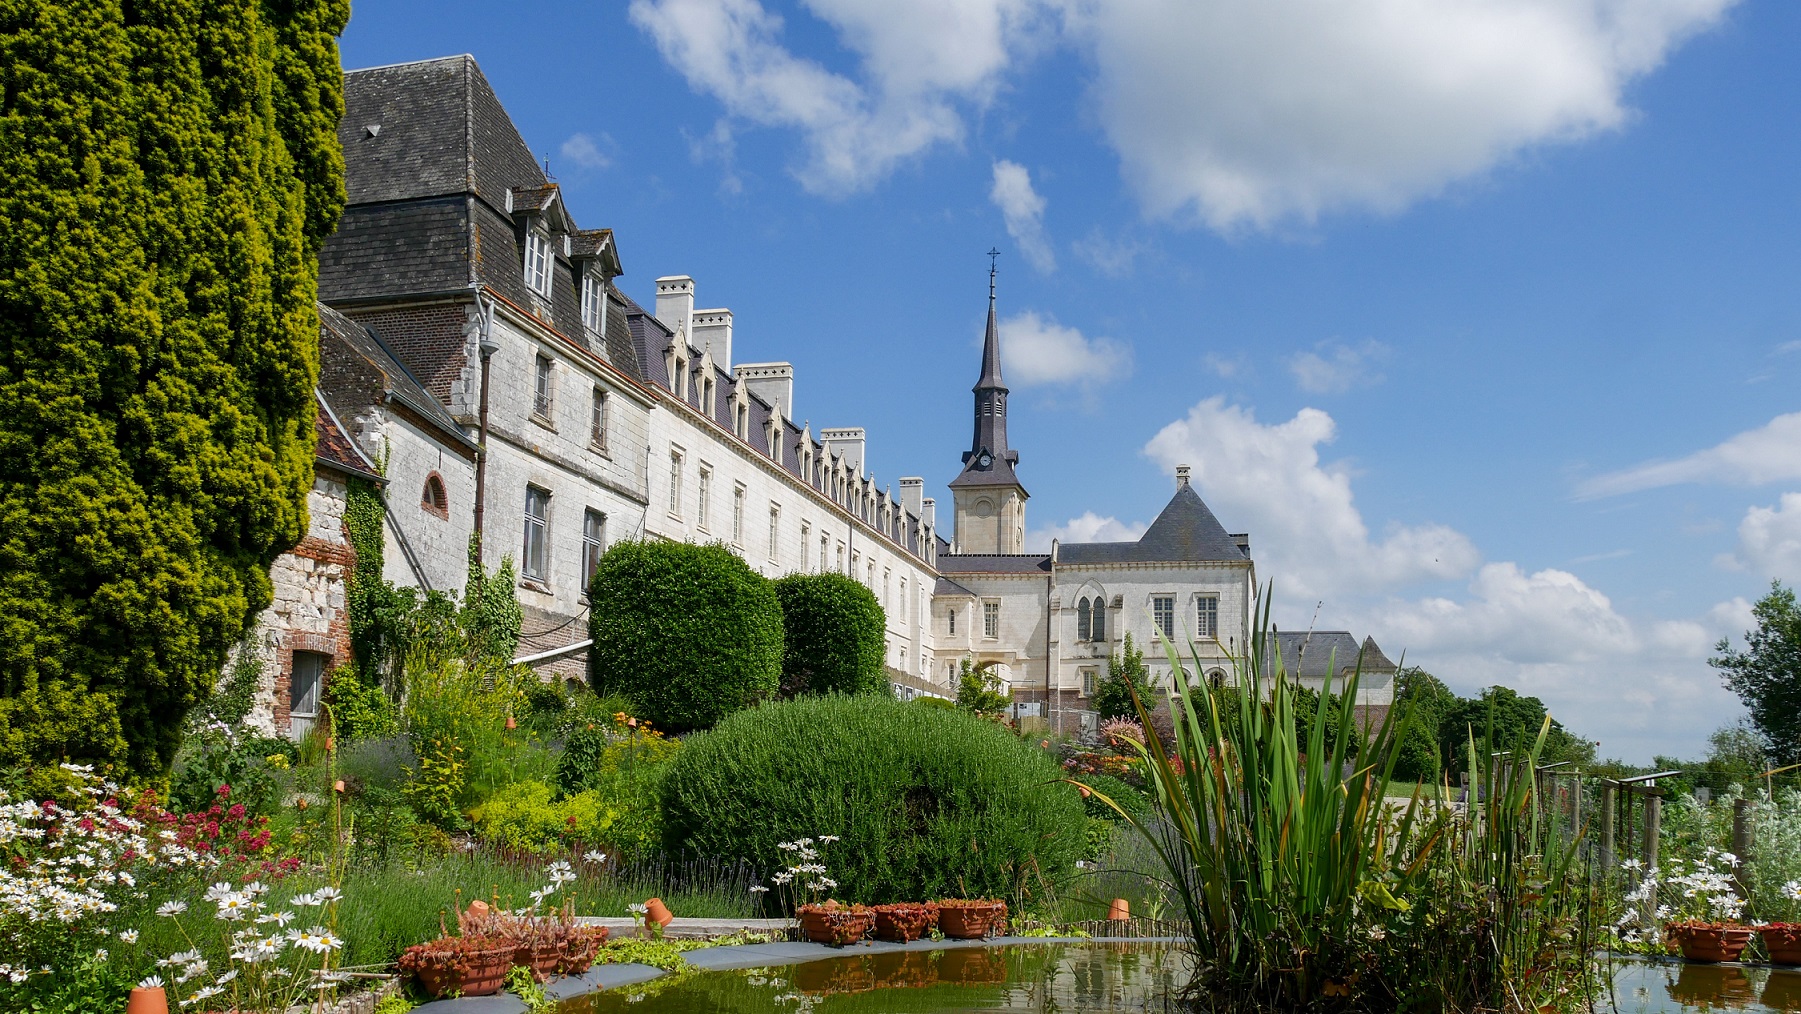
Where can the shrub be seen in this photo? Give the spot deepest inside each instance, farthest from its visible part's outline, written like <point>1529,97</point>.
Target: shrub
<point>936,703</point>
<point>624,764</point>
<point>832,636</point>
<point>1125,672</point>
<point>523,818</point>
<point>979,690</point>
<point>688,633</point>
<point>927,804</point>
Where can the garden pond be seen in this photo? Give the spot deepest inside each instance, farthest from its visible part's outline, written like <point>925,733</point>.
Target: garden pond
<point>1114,978</point>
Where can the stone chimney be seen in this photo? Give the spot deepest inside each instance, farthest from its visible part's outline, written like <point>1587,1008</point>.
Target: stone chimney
<point>928,512</point>
<point>1181,476</point>
<point>772,382</point>
<point>847,443</point>
<point>713,332</point>
<point>912,495</point>
<point>675,305</point>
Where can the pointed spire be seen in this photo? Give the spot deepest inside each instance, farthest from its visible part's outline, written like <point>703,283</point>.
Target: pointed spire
<point>991,343</point>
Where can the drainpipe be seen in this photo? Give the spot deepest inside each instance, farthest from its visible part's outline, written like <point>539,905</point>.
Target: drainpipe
<point>486,346</point>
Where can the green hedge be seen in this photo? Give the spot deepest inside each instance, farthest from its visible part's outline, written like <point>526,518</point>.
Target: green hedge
<point>928,803</point>
<point>689,634</point>
<point>833,636</point>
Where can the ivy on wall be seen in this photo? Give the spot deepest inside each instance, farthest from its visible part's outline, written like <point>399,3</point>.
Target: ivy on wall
<point>168,174</point>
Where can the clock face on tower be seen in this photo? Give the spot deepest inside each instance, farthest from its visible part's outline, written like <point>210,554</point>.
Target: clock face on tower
<point>986,459</point>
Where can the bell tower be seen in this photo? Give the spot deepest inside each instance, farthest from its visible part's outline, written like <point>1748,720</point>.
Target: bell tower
<point>990,502</point>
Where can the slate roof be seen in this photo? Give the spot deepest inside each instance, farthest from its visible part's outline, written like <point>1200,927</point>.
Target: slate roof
<point>401,384</point>
<point>434,168</point>
<point>1315,654</point>
<point>945,586</point>
<point>335,449</point>
<point>1186,532</point>
<point>994,563</point>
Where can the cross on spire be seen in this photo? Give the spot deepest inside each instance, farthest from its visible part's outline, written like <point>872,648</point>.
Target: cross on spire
<point>993,258</point>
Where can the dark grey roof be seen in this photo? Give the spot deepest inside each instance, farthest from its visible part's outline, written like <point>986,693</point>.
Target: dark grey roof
<point>990,436</point>
<point>946,586</point>
<point>1315,654</point>
<point>1186,532</point>
<point>994,563</point>
<point>401,384</point>
<point>396,249</point>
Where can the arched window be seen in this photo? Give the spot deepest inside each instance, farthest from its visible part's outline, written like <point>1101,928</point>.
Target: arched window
<point>1216,678</point>
<point>1100,618</point>
<point>1082,628</point>
<point>433,498</point>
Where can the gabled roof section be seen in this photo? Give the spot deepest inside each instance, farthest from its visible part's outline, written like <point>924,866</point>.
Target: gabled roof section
<point>1186,532</point>
<point>945,586</point>
<point>401,384</point>
<point>1316,654</point>
<point>596,244</point>
<point>334,448</point>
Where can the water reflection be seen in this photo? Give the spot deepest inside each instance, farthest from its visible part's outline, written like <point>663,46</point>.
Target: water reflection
<point>1672,987</point>
<point>1043,979</point>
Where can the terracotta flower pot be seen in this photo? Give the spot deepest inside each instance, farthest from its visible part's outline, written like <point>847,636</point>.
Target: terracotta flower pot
<point>901,923</point>
<point>971,920</point>
<point>1783,941</point>
<point>835,924</point>
<point>1120,910</point>
<point>657,912</point>
<point>147,1000</point>
<point>485,973</point>
<point>542,959</point>
<point>1709,941</point>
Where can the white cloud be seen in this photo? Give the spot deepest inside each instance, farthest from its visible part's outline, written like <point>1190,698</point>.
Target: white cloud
<point>1229,112</point>
<point>1248,112</point>
<point>1023,210</point>
<point>1111,256</point>
<point>1334,367</point>
<point>916,59</point>
<point>1090,527</point>
<point>584,153</point>
<point>1769,540</point>
<point>1227,369</point>
<point>1269,480</point>
<point>1641,687</point>
<point>1038,350</point>
<point>1770,453</point>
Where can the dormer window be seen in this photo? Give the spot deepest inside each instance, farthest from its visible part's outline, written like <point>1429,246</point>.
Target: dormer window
<point>594,303</point>
<point>538,261</point>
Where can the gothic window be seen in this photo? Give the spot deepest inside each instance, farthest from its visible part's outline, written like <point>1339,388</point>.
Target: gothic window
<point>433,498</point>
<point>1206,616</point>
<point>1216,678</point>
<point>594,545</point>
<point>1100,618</point>
<point>950,619</point>
<point>1163,611</point>
<point>535,562</point>
<point>541,388</point>
<point>1083,628</point>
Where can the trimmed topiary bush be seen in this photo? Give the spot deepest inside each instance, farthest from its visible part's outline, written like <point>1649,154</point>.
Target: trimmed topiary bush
<point>689,634</point>
<point>833,641</point>
<point>927,803</point>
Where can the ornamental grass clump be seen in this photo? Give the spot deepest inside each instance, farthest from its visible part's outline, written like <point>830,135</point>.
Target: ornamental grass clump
<point>1303,888</point>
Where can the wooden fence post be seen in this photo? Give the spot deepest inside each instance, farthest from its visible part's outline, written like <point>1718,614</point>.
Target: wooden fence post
<point>1607,808</point>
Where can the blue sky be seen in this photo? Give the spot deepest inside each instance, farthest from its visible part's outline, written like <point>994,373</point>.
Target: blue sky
<point>1480,318</point>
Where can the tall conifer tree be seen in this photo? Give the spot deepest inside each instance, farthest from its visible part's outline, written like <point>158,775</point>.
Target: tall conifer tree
<point>168,172</point>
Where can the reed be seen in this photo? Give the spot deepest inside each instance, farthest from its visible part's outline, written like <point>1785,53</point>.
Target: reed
<point>1304,887</point>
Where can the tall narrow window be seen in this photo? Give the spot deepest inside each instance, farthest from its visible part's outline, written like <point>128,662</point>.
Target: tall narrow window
<point>594,304</point>
<point>775,528</point>
<point>991,619</point>
<point>705,491</point>
<point>824,541</point>
<point>537,528</point>
<point>1099,633</point>
<point>903,600</point>
<point>1083,628</point>
<point>538,262</point>
<point>887,575</point>
<point>675,482</point>
<point>806,545</point>
<point>541,388</point>
<point>950,621</point>
<point>594,545</point>
<point>738,515</point>
<point>1207,616</point>
<point>1163,610</point>
<point>597,419</point>
<point>433,498</point>
<point>840,566</point>
<point>1088,682</point>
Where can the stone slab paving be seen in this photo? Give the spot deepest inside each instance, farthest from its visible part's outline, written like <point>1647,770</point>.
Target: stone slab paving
<point>739,956</point>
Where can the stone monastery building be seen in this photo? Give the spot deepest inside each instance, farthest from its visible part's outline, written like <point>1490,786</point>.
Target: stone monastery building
<point>460,297</point>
